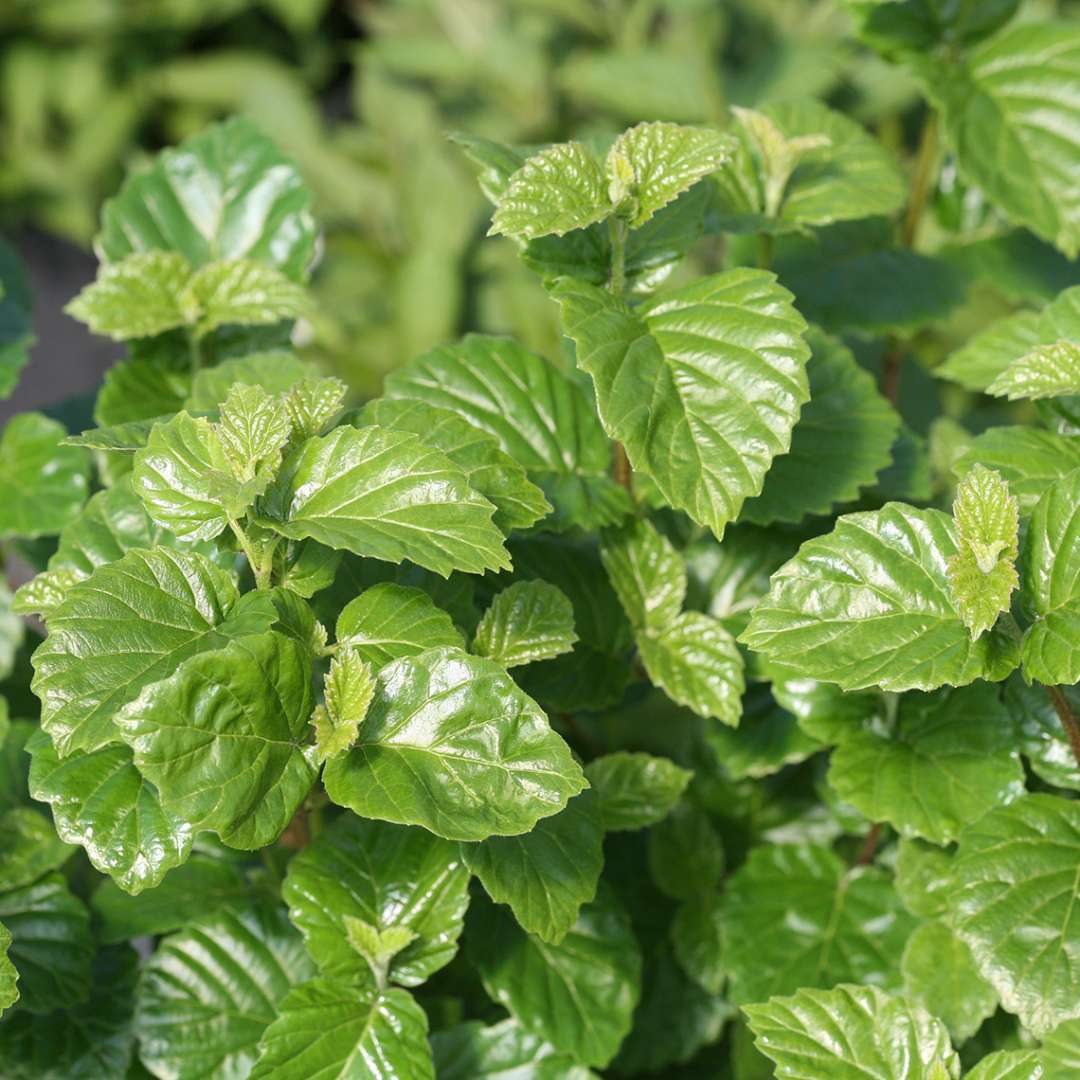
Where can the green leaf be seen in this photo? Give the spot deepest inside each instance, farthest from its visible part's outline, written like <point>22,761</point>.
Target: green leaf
<point>995,106</point>
<point>129,624</point>
<point>253,430</point>
<point>308,568</point>
<point>389,876</point>
<point>15,765</point>
<point>221,739</point>
<point>196,889</point>
<point>348,690</point>
<point>712,390</point>
<point>923,878</point>
<point>697,940</point>
<point>1045,371</point>
<point>518,502</point>
<point>1010,1065</point>
<point>850,1033</point>
<point>843,439</point>
<point>327,1029</point>
<point>767,738</point>
<point>140,296</point>
<point>796,916</point>
<point>869,605</point>
<point>898,26</point>
<point>940,975</point>
<point>1040,736</point>
<point>276,372</point>
<point>635,790</point>
<point>16,319</point>
<point>226,193</point>
<point>451,743</point>
<point>29,848</point>
<point>244,292</point>
<point>540,417</point>
<point>471,1051</point>
<point>1050,579</point>
<point>1029,460</point>
<point>558,189</point>
<point>646,572</point>
<point>982,574</point>
<point>313,403</point>
<point>686,857</point>
<point>385,495</point>
<point>579,995</point>
<point>42,482</point>
<point>495,162</point>
<point>92,1039</point>
<point>665,160</point>
<point>1060,1055</point>
<point>527,621</point>
<point>141,389</point>
<point>1013,902</point>
<point>51,945</point>
<point>547,874</point>
<point>990,352</point>
<point>101,801</point>
<point>210,991</point>
<point>800,164</point>
<point>9,977</point>
<point>388,621</point>
<point>951,759</point>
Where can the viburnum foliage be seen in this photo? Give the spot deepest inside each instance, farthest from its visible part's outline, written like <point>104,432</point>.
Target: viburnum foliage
<point>686,704</point>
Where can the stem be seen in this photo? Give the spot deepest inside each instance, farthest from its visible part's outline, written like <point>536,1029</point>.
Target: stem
<point>194,350</point>
<point>765,242</point>
<point>618,231</point>
<point>924,176</point>
<point>890,372</point>
<point>620,469</point>
<point>262,572</point>
<point>870,843</point>
<point>1065,715</point>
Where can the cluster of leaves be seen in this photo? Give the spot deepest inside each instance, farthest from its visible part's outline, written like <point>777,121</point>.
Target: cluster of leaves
<point>718,703</point>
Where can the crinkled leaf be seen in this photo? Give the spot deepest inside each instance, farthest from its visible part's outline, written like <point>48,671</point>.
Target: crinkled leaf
<point>526,622</point>
<point>635,790</point>
<point>869,605</point>
<point>29,848</point>
<point>244,292</point>
<point>253,429</point>
<point>702,385</point>
<point>313,403</point>
<point>850,1033</point>
<point>951,759</point>
<point>9,977</point>
<point>348,689</point>
<point>646,572</point>
<point>389,876</point>
<point>548,873</point>
<point>101,801</point>
<point>1045,371</point>
<point>221,739</point>
<point>451,743</point>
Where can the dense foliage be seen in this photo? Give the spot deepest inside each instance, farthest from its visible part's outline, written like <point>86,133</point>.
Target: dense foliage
<point>697,699</point>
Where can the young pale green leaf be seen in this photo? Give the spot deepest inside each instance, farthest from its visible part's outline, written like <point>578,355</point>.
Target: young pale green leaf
<point>129,624</point>
<point>1028,459</point>
<point>1045,371</point>
<point>547,874</point>
<point>244,292</point>
<point>1050,575</point>
<point>869,605</point>
<point>1015,884</point>
<point>1060,1055</point>
<point>385,495</point>
<point>51,945</point>
<point>952,758</point>
<point>377,947</point>
<point>685,855</point>
<point>451,743</point>
<point>388,621</point>
<point>665,160</point>
<point>348,689</point>
<point>843,439</point>
<point>101,801</point>
<point>558,189</point>
<point>221,738</point>
<point>526,622</point>
<point>391,877</point>
<point>329,1029</point>
<point>253,430</point>
<point>140,296</point>
<point>635,790</point>
<point>989,353</point>
<point>210,991</point>
<point>940,975</point>
<point>42,482</point>
<point>995,104</point>
<point>198,888</point>
<point>226,193</point>
<point>29,848</point>
<point>495,162</point>
<point>696,662</point>
<point>850,1033</point>
<point>471,1051</point>
<point>9,977</point>
<point>540,417</point>
<point>313,403</point>
<point>646,572</point>
<point>579,995</point>
<point>712,390</point>
<point>518,502</point>
<point>796,916</point>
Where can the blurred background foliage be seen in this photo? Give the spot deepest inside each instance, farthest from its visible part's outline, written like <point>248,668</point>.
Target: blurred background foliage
<point>363,93</point>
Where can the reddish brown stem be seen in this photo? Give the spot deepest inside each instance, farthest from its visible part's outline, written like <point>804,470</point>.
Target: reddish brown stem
<point>890,373</point>
<point>621,469</point>
<point>1068,720</point>
<point>869,847</point>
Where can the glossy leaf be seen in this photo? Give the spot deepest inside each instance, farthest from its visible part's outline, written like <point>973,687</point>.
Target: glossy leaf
<point>526,622</point>
<point>712,391</point>
<point>635,790</point>
<point>1029,460</point>
<point>276,372</point>
<point>1040,736</point>
<point>450,743</point>
<point>548,873</point>
<point>235,762</point>
<point>29,848</point>
<point>697,941</point>
<point>767,738</point>
<point>390,876</point>
<point>923,877</point>
<point>869,605</point>
<point>990,352</point>
<point>646,572</point>
<point>1009,1065</point>
<point>245,292</point>
<point>348,689</point>
<point>1046,371</point>
<point>471,1051</point>
<point>1060,1055</point>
